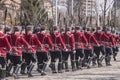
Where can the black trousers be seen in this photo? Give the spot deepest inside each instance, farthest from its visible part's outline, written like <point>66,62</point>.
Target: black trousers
<point>3,62</point>
<point>56,55</point>
<point>66,56</point>
<point>108,51</point>
<point>79,54</point>
<point>29,57</point>
<point>15,60</point>
<point>88,53</point>
<point>98,50</point>
<point>42,57</point>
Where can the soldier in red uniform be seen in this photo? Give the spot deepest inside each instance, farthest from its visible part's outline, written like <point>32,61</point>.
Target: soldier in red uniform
<point>7,31</point>
<point>29,53</point>
<point>100,37</point>
<point>80,39</point>
<point>55,52</point>
<point>16,41</point>
<point>42,52</point>
<point>115,47</point>
<point>109,43</point>
<point>4,45</point>
<point>89,48</point>
<point>69,41</point>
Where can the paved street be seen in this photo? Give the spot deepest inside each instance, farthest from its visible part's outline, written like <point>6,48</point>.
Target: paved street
<point>104,73</point>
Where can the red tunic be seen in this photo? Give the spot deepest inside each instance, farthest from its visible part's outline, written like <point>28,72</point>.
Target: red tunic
<point>101,37</point>
<point>69,41</point>
<point>91,41</point>
<point>57,41</point>
<point>110,42</point>
<point>80,40</point>
<point>33,41</point>
<point>45,41</point>
<point>17,41</point>
<point>4,44</point>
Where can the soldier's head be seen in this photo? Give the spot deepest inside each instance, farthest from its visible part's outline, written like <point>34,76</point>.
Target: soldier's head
<point>2,28</point>
<point>29,28</point>
<point>88,29</point>
<point>62,30</point>
<point>37,29</point>
<point>68,30</point>
<point>17,28</point>
<point>77,29</point>
<point>84,29</point>
<point>55,29</point>
<point>72,29</point>
<point>108,30</point>
<point>93,29</point>
<point>43,28</point>
<point>7,29</point>
<point>98,29</point>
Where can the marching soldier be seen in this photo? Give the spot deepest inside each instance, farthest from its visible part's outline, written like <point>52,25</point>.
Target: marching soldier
<point>69,41</point>
<point>89,48</point>
<point>4,45</point>
<point>57,46</point>
<point>16,41</point>
<point>80,39</point>
<point>100,37</point>
<point>42,52</point>
<point>109,43</point>
<point>29,53</point>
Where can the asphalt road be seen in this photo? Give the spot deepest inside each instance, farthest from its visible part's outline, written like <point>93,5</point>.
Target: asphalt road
<point>95,73</point>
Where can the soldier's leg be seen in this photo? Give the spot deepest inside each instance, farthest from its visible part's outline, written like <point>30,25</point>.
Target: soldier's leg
<point>17,64</point>
<point>66,55</point>
<point>59,56</point>
<point>107,57</point>
<point>72,57</point>
<point>115,53</point>
<point>31,65</point>
<point>23,65</point>
<point>90,57</point>
<point>3,68</point>
<point>44,61</point>
<point>8,65</point>
<point>82,55</point>
<point>53,60</point>
<point>103,51</point>
<point>63,60</point>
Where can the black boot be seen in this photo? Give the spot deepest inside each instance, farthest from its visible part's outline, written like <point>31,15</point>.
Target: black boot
<point>2,74</point>
<point>99,63</point>
<point>114,56</point>
<point>109,60</point>
<point>23,67</point>
<point>53,68</point>
<point>8,69</point>
<point>89,62</point>
<point>15,71</point>
<point>80,63</point>
<point>39,69</point>
<point>43,69</point>
<point>77,64</point>
<point>66,67</point>
<point>102,58</point>
<point>73,65</point>
<point>29,70</point>
<point>60,67</point>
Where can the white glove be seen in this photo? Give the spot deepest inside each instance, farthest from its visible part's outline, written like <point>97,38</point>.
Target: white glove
<point>74,51</point>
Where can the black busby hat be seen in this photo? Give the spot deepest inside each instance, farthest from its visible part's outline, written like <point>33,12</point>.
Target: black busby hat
<point>77,28</point>
<point>88,28</point>
<point>7,28</point>
<point>84,28</point>
<point>17,28</point>
<point>29,27</point>
<point>55,28</point>
<point>68,29</point>
<point>42,28</point>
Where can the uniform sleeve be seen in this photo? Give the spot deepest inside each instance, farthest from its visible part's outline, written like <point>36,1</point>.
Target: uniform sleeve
<point>73,42</point>
<point>37,41</point>
<point>61,41</point>
<point>84,39</point>
<point>7,44</point>
<point>24,42</point>
<point>94,40</point>
<point>49,41</point>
